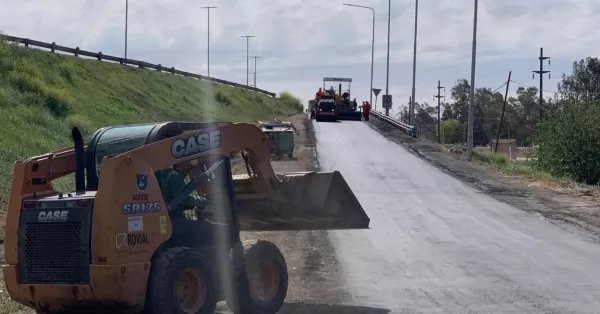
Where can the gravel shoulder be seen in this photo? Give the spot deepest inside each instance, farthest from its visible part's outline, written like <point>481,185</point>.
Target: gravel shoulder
<point>574,211</point>
<point>312,267</point>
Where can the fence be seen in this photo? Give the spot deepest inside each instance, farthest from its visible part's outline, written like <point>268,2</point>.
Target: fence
<point>407,128</point>
<point>141,64</point>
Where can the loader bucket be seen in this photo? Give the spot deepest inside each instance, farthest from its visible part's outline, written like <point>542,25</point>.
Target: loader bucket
<point>307,201</point>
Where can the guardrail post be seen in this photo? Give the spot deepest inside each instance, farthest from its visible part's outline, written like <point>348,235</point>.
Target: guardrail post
<point>158,67</point>
<point>26,42</point>
<point>99,56</point>
<point>76,51</point>
<point>52,47</point>
<point>140,65</point>
<point>172,70</point>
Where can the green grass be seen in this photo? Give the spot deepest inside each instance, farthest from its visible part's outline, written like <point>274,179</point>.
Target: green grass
<point>520,168</point>
<point>42,95</point>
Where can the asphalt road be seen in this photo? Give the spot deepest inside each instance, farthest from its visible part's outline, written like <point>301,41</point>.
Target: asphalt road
<point>437,245</point>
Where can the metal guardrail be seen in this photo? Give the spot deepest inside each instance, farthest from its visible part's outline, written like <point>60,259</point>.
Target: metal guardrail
<point>406,128</point>
<point>141,64</point>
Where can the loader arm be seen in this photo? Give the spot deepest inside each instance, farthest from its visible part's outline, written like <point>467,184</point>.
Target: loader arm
<point>225,140</point>
<point>35,175</point>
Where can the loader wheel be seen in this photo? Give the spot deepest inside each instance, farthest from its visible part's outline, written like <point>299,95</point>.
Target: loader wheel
<point>181,281</point>
<point>267,275</point>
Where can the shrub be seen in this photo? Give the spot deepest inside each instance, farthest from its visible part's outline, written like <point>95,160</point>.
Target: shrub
<point>568,143</point>
<point>492,158</point>
<point>288,99</point>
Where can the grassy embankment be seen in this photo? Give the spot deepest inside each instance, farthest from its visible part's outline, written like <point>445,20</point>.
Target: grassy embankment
<point>43,95</point>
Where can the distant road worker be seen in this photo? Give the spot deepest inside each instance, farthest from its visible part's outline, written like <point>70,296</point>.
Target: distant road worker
<point>366,107</point>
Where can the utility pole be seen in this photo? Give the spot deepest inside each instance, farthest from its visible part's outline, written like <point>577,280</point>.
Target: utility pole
<point>126,22</point>
<point>472,91</point>
<point>541,72</point>
<point>208,40</point>
<point>410,119</point>
<point>439,123</point>
<point>502,116</point>
<point>255,57</point>
<point>248,58</point>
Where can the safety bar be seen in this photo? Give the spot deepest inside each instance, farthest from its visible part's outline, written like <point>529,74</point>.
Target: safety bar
<point>406,128</point>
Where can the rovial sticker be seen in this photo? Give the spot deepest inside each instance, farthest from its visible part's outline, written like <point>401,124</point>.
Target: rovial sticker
<point>135,223</point>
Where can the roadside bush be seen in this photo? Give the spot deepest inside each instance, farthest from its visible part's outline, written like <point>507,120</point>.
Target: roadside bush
<point>492,158</point>
<point>569,143</point>
<point>291,100</point>
<point>452,132</point>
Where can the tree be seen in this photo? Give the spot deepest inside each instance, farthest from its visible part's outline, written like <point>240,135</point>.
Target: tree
<point>583,83</point>
<point>460,94</point>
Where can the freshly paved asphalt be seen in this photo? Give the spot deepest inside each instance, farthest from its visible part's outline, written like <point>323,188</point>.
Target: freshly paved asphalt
<point>437,245</point>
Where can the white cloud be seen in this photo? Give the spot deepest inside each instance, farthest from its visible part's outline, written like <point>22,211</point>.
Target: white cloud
<point>302,41</point>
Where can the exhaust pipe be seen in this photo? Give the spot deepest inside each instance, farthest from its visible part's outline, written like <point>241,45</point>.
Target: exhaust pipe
<point>79,161</point>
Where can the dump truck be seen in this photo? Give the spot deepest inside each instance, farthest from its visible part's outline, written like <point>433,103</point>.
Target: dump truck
<point>152,223</point>
<point>347,109</point>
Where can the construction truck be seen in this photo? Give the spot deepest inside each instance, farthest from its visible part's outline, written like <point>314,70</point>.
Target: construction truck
<point>153,221</point>
<point>347,109</point>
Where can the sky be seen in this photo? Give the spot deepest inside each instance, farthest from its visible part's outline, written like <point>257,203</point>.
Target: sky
<point>302,41</point>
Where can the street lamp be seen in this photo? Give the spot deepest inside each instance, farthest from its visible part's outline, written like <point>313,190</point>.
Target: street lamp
<point>126,14</point>
<point>472,91</point>
<point>248,58</point>
<point>414,74</point>
<point>387,74</point>
<point>372,46</point>
<point>208,39</point>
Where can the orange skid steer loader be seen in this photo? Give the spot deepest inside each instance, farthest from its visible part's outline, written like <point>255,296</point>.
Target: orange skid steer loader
<point>153,224</point>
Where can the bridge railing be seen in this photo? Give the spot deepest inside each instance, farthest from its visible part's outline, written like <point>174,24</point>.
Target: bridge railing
<point>406,128</point>
<point>141,64</point>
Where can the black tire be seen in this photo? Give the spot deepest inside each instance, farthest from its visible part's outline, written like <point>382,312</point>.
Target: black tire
<point>266,252</point>
<point>161,297</point>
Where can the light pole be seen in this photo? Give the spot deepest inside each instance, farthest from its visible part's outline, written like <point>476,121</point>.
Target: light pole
<point>208,40</point>
<point>248,58</point>
<point>255,57</point>
<point>387,75</point>
<point>126,16</point>
<point>472,91</point>
<point>414,73</point>
<point>372,46</point>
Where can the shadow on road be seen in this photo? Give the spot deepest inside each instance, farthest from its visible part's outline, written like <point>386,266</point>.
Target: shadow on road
<point>306,308</point>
